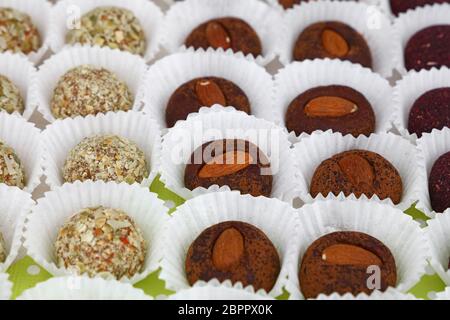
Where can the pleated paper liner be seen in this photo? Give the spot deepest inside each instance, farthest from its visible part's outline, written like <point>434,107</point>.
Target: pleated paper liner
<point>63,135</point>
<point>14,207</point>
<point>390,294</point>
<point>445,295</point>
<point>312,151</point>
<point>273,217</point>
<point>128,68</point>
<point>438,233</point>
<point>214,290</point>
<point>381,4</point>
<point>184,16</point>
<point>25,139</point>
<point>5,287</point>
<point>83,288</point>
<point>39,11</point>
<point>149,15</point>
<point>430,148</point>
<point>299,77</point>
<point>366,19</point>
<point>169,73</point>
<point>409,89</point>
<point>21,72</point>
<point>411,22</point>
<point>56,207</point>
<point>217,123</point>
<point>399,232</point>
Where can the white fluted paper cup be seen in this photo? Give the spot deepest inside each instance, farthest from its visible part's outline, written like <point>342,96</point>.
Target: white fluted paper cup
<point>169,73</point>
<point>411,22</point>
<point>380,3</point>
<point>20,71</point>
<point>444,295</point>
<point>5,287</point>
<point>299,77</point>
<point>273,217</point>
<point>56,207</point>
<point>39,11</point>
<point>214,290</point>
<point>128,68</point>
<point>366,19</point>
<point>390,294</point>
<point>398,231</point>
<point>312,151</point>
<point>409,89</point>
<point>149,15</point>
<point>430,148</point>
<point>217,123</point>
<point>63,135</point>
<point>83,288</point>
<point>25,139</point>
<point>14,207</point>
<point>438,234</point>
<point>184,16</point>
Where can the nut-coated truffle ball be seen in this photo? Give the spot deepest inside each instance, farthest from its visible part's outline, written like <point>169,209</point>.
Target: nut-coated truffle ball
<point>11,170</point>
<point>10,98</point>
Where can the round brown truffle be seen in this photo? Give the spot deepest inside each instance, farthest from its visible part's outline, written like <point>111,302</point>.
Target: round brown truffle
<point>3,253</point>
<point>430,111</point>
<point>358,172</point>
<point>101,242</point>
<point>238,164</point>
<point>113,27</point>
<point>12,172</point>
<point>344,262</point>
<point>226,33</point>
<point>439,184</point>
<point>334,40</point>
<point>339,108</point>
<point>18,33</point>
<point>234,251</point>
<point>88,90</point>
<point>429,48</point>
<point>10,98</point>
<point>204,92</point>
<point>400,6</point>
<point>107,158</point>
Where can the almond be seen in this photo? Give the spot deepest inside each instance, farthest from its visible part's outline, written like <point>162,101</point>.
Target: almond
<point>209,93</point>
<point>358,170</point>
<point>328,106</point>
<point>217,36</point>
<point>226,164</point>
<point>334,43</point>
<point>345,254</point>
<point>228,250</point>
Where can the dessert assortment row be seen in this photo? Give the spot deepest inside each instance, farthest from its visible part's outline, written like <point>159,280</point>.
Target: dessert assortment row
<point>123,232</point>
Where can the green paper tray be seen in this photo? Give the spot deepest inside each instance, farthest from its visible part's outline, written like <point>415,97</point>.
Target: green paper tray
<point>26,273</point>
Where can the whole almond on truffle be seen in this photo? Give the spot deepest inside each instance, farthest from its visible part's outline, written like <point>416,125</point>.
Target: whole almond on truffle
<point>334,43</point>
<point>345,254</point>
<point>218,36</point>
<point>357,169</point>
<point>228,249</point>
<point>209,93</point>
<point>328,106</point>
<point>226,164</point>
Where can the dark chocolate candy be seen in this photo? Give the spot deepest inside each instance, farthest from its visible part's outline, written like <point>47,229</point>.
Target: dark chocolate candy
<point>400,6</point>
<point>439,184</point>
<point>429,48</point>
<point>341,262</point>
<point>430,111</point>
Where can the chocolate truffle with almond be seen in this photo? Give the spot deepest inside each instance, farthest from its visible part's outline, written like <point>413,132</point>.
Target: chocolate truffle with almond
<point>235,251</point>
<point>430,111</point>
<point>357,172</point>
<point>238,164</point>
<point>339,108</point>
<point>226,33</point>
<point>343,262</point>
<point>101,242</point>
<point>204,92</point>
<point>334,40</point>
<point>428,48</point>
<point>400,6</point>
<point>439,184</point>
